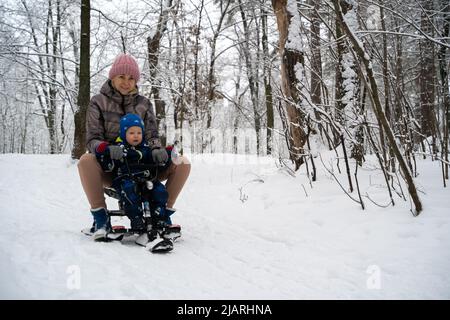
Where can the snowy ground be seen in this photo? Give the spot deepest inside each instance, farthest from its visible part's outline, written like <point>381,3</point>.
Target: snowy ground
<point>287,240</point>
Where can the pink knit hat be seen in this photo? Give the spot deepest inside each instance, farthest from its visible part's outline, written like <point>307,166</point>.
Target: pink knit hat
<point>125,64</point>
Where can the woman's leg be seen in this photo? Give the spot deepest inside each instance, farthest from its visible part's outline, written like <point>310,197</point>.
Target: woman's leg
<point>93,179</point>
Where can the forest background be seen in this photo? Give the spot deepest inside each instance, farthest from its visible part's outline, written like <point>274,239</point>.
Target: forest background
<point>279,78</point>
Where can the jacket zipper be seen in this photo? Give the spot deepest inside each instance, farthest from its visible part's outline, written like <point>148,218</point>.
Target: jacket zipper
<point>123,105</point>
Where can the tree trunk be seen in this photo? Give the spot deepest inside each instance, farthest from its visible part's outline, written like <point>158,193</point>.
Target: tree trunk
<point>348,86</point>
<point>339,91</point>
<point>426,75</point>
<point>316,57</point>
<point>211,95</point>
<point>84,89</point>
<point>180,66</point>
<point>252,75</point>
<point>153,45</point>
<point>197,103</point>
<point>387,95</point>
<point>46,90</point>
<point>289,58</point>
<point>399,77</point>
<point>52,89</point>
<point>378,107</point>
<point>443,71</point>
<point>267,85</point>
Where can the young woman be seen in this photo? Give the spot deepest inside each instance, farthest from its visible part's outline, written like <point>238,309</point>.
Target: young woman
<point>118,96</point>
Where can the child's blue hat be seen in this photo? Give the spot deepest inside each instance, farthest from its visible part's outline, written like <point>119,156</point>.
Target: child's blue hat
<point>130,120</point>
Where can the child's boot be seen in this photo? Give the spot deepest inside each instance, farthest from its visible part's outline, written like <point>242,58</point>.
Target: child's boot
<point>166,217</point>
<point>172,231</point>
<point>102,224</point>
<point>136,217</point>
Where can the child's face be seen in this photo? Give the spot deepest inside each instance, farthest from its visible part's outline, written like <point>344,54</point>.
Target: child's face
<point>134,135</point>
<point>124,83</point>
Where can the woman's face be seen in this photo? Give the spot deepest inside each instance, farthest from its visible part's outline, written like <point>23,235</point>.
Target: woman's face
<point>124,83</point>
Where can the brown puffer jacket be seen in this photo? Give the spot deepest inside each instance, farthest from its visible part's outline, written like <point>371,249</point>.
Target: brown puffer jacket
<point>106,109</point>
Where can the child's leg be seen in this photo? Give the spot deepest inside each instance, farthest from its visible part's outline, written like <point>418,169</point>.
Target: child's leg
<point>176,176</point>
<point>93,179</point>
<point>132,203</point>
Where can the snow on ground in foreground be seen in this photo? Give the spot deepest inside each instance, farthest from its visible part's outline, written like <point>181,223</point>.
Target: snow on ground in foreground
<point>287,240</point>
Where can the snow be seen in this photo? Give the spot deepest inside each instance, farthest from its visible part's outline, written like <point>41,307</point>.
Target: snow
<point>283,240</point>
<point>350,82</point>
<point>294,41</point>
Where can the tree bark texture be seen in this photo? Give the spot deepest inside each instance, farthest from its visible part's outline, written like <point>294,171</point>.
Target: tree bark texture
<point>84,89</point>
<point>426,74</point>
<point>289,58</point>
<point>267,84</point>
<point>153,45</point>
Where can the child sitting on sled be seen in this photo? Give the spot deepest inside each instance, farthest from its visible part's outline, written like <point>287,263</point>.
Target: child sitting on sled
<point>133,150</point>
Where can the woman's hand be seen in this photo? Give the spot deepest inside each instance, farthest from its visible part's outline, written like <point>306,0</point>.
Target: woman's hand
<point>160,156</point>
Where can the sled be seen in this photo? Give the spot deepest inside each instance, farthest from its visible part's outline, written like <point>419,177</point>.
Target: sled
<point>156,236</point>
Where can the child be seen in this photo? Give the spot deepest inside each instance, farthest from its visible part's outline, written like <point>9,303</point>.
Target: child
<point>135,151</point>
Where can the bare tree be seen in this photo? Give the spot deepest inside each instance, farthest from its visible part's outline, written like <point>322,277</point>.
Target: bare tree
<point>252,70</point>
<point>79,145</point>
<point>267,79</point>
<point>365,58</point>
<point>444,74</point>
<point>427,75</point>
<point>153,51</point>
<point>289,58</point>
<point>316,57</point>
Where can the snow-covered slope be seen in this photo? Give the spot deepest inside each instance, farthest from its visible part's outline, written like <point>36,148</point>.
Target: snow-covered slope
<point>250,231</point>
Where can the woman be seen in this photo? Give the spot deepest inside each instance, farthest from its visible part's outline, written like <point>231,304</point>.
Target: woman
<point>118,96</point>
